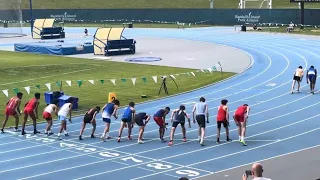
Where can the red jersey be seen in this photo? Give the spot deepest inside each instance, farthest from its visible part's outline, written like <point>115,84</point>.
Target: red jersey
<point>241,110</point>
<point>12,104</point>
<point>32,103</point>
<point>222,114</point>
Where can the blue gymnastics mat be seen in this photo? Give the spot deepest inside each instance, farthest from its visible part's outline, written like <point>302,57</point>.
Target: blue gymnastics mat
<point>55,47</point>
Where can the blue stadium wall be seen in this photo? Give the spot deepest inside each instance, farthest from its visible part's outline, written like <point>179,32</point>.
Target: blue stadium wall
<point>215,16</point>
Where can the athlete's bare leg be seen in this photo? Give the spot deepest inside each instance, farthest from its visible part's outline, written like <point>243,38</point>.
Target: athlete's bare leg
<point>121,129</point>
<point>183,129</point>
<point>5,122</point>
<point>94,126</point>
<point>141,133</point>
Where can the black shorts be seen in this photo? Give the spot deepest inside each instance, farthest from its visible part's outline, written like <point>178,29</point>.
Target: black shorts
<point>297,78</point>
<point>140,122</point>
<point>175,123</point>
<point>225,124</point>
<point>201,119</point>
<point>87,120</point>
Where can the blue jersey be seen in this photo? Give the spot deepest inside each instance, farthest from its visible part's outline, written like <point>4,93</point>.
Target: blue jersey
<point>160,113</point>
<point>312,73</point>
<point>109,108</point>
<point>127,114</point>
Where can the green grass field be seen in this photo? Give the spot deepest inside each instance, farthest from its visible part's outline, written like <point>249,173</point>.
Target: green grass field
<point>123,4</point>
<point>18,70</point>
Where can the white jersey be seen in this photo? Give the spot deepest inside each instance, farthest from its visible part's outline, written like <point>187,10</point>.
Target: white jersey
<point>64,110</point>
<point>50,108</point>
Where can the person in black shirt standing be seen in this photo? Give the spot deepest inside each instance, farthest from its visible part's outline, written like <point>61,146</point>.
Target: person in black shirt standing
<point>141,119</point>
<point>178,117</point>
<point>90,117</point>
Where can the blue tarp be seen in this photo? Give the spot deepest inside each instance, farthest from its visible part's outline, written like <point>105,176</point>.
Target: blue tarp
<point>54,48</point>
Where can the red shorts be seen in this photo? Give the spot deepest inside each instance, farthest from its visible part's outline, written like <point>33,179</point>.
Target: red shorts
<point>10,112</point>
<point>159,121</point>
<point>28,111</point>
<point>46,115</point>
<point>239,118</point>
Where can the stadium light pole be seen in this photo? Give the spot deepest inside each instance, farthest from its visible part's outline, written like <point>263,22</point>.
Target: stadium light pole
<point>31,17</point>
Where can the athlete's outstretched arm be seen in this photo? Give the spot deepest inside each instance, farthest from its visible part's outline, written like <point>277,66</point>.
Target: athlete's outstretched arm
<point>248,110</point>
<point>187,116</point>
<point>207,113</point>
<point>114,114</point>
<point>148,119</point>
<point>227,113</point>
<point>70,110</point>
<point>56,109</point>
<point>104,107</point>
<point>94,116</point>
<point>193,113</point>
<point>36,109</point>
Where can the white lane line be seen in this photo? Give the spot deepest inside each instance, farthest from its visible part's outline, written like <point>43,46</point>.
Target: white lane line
<point>274,157</point>
<point>232,154</point>
<point>32,165</point>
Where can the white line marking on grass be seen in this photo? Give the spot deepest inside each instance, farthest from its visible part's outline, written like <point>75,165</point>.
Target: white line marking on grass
<point>236,153</point>
<point>274,157</point>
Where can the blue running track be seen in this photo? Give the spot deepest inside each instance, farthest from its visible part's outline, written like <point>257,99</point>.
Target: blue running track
<point>279,123</point>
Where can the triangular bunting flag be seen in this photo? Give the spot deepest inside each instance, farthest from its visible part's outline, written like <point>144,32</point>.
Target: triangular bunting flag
<point>113,81</point>
<point>68,82</point>
<point>214,68</point>
<point>202,70</point>
<point>6,92</point>
<point>27,89</point>
<point>155,78</point>
<point>58,83</point>
<point>210,70</point>
<point>101,81</point>
<point>38,86</point>
<point>188,74</point>
<point>144,79</point>
<point>15,90</point>
<point>124,80</point>
<point>79,83</point>
<point>133,81</point>
<point>91,81</point>
<point>49,86</point>
<point>193,73</point>
<point>173,76</point>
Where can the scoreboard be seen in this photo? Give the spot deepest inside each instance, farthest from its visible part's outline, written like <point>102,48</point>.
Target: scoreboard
<point>306,1</point>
